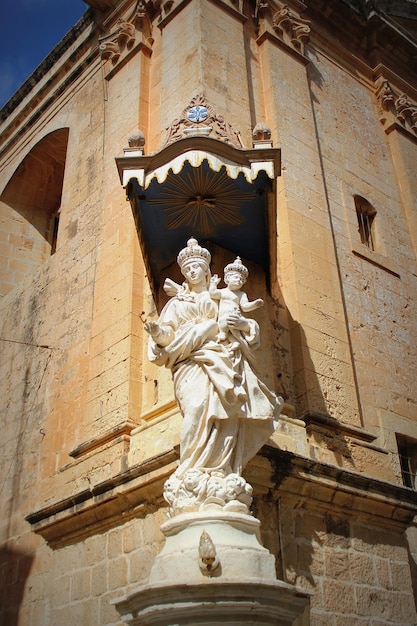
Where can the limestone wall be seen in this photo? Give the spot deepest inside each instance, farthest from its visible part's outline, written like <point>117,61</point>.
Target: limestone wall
<point>90,428</point>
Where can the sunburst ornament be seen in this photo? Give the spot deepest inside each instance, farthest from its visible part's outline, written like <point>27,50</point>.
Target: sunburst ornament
<point>201,199</point>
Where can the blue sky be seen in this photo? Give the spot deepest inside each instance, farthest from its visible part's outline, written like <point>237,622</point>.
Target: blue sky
<point>30,29</point>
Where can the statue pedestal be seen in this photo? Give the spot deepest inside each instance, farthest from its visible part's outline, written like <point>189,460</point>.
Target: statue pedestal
<point>239,587</point>
<point>235,539</point>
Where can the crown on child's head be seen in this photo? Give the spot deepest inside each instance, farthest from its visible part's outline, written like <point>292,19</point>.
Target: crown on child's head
<point>237,266</point>
<point>193,253</point>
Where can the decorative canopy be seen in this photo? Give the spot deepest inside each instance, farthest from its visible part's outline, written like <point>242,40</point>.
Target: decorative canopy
<point>200,187</point>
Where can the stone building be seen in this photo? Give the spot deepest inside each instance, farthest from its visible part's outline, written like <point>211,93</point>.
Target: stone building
<point>285,133</point>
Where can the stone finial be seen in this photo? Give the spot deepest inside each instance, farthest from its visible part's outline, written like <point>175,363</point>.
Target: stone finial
<point>136,139</point>
<point>261,132</point>
<point>261,135</point>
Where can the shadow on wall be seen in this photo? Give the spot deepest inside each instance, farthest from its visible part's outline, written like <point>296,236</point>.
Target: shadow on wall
<point>15,567</point>
<point>313,405</point>
<point>348,565</point>
<point>412,558</point>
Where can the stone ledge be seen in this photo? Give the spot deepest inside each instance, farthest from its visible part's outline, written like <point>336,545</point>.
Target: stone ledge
<point>313,419</point>
<point>273,473</point>
<point>87,447</point>
<point>132,493</point>
<point>330,489</point>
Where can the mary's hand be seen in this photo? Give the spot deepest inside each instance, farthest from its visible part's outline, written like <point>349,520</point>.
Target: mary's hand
<point>162,335</point>
<point>152,328</point>
<point>236,321</point>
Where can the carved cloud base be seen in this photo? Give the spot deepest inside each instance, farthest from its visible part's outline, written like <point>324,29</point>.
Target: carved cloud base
<point>213,570</point>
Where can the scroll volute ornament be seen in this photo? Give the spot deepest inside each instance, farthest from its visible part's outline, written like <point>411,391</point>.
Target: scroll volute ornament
<point>133,29</point>
<point>284,22</point>
<point>395,107</point>
<point>292,28</point>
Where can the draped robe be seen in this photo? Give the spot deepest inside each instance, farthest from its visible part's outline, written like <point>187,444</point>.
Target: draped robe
<point>228,414</point>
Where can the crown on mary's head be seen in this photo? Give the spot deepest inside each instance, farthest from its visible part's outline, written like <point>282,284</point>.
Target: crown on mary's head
<point>193,253</point>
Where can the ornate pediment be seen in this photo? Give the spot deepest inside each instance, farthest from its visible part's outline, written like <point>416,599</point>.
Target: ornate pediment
<point>199,119</point>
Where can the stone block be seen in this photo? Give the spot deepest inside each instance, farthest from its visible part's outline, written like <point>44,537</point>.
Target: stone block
<point>99,579</point>
<point>339,597</point>
<point>320,618</point>
<point>362,569</point>
<point>336,564</point>
<point>80,585</point>
<point>141,561</point>
<point>118,572</point>
<point>114,544</point>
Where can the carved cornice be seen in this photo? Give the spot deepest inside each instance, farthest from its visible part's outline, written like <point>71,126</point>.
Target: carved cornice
<point>129,32</point>
<point>395,108</point>
<point>200,119</point>
<point>273,473</point>
<point>132,493</point>
<point>362,31</point>
<point>284,22</point>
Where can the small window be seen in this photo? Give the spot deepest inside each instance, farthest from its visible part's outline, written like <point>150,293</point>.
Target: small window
<point>366,214</point>
<point>53,231</point>
<point>407,452</point>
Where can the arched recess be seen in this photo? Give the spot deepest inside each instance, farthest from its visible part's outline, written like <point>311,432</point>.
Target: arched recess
<point>29,209</point>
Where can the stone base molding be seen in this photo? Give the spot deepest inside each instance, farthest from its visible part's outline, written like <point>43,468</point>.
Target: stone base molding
<point>213,570</point>
<point>217,601</point>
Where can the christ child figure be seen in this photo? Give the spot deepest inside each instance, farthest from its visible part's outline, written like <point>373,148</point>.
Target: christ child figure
<point>231,298</point>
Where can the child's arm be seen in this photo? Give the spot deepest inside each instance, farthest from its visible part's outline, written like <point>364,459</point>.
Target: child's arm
<point>249,305</point>
<point>213,291</point>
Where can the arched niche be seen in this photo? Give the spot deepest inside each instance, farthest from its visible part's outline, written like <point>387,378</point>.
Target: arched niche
<point>29,208</point>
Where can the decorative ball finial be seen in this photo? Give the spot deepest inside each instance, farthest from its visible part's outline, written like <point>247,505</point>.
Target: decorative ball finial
<point>136,139</point>
<point>193,253</point>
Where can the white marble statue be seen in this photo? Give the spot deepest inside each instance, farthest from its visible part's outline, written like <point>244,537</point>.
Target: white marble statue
<point>228,413</point>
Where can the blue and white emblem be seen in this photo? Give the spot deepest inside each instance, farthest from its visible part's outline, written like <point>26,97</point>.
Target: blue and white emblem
<point>197,113</point>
